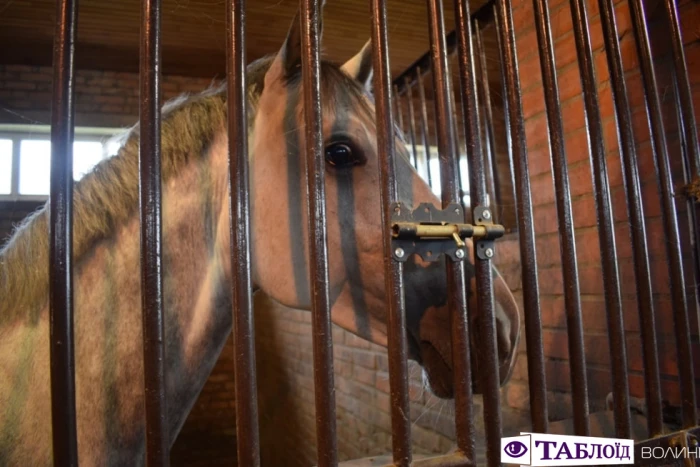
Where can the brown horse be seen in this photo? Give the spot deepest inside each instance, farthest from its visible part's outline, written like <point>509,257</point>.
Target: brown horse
<point>196,260</point>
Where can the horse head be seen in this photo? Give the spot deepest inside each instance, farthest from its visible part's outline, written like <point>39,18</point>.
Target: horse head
<point>354,224</point>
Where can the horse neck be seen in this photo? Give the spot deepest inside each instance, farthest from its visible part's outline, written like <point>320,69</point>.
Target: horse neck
<point>107,316</point>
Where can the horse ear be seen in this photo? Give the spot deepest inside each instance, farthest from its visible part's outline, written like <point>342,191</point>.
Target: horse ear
<point>360,67</point>
<point>289,57</point>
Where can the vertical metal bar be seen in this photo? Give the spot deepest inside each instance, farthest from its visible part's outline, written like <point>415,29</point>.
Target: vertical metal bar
<point>399,113</point>
<point>489,369</point>
<point>686,98</point>
<point>65,443</point>
<point>411,120</point>
<point>393,270</point>
<point>640,251</point>
<point>668,211</point>
<point>248,443</point>
<point>456,291</point>
<point>504,102</point>
<point>157,442</point>
<point>485,97</point>
<point>577,357</point>
<point>455,116</point>
<point>318,245</point>
<point>424,125</point>
<point>399,110</point>
<point>528,255</point>
<point>601,186</point>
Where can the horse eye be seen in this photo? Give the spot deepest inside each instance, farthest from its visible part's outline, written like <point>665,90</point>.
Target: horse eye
<point>340,155</point>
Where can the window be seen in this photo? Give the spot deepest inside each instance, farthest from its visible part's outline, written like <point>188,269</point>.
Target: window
<point>25,157</point>
<point>435,170</point>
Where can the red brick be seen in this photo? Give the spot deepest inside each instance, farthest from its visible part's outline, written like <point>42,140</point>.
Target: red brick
<point>545,218</point>
<point>533,101</point>
<point>516,395</point>
<point>548,250</point>
<point>364,359</point>
<point>538,160</point>
<point>364,376</point>
<point>576,146</point>
<point>526,43</point>
<point>580,179</point>
<point>536,131</point>
<point>584,212</point>
<point>530,71</point>
<point>550,280</point>
<point>591,279</point>
<point>588,246</point>
<point>542,190</point>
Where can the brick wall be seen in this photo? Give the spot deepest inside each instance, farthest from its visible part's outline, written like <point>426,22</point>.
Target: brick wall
<point>588,252</point>
<point>102,98</point>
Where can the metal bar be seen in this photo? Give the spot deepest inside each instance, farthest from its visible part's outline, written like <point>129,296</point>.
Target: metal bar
<point>246,395</point>
<point>454,116</point>
<point>488,364</point>
<point>451,193</point>
<point>652,384</point>
<point>63,408</point>
<point>577,357</point>
<point>668,212</point>
<point>528,254</point>
<point>485,97</point>
<point>393,270</point>
<point>459,139</point>
<point>399,110</point>
<point>399,113</point>
<point>318,245</point>
<point>412,124</point>
<point>504,101</point>
<point>606,233</point>
<point>424,126</point>
<point>150,204</point>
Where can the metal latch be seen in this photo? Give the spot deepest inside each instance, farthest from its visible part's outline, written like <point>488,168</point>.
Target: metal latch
<point>431,232</point>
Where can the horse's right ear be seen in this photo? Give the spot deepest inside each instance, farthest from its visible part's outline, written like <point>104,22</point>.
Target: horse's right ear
<point>289,56</point>
<point>288,59</point>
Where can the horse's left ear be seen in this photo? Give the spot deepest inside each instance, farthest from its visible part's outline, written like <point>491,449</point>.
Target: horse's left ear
<point>289,57</point>
<point>360,67</point>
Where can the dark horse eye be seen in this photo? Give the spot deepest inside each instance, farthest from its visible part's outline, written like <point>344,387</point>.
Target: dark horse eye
<point>340,155</point>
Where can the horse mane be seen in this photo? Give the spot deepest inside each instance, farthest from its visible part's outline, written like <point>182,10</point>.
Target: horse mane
<point>108,195</point>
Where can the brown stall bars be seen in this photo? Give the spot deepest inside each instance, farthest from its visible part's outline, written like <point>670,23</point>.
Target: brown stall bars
<point>487,187</point>
<point>65,445</point>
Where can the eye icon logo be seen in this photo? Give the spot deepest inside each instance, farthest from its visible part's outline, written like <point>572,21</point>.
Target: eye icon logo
<point>515,449</point>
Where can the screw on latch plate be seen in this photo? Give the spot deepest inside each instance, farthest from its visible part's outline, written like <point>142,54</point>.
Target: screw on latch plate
<point>431,232</point>
<point>485,246</point>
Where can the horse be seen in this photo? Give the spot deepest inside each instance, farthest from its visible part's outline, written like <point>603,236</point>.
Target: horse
<point>197,261</point>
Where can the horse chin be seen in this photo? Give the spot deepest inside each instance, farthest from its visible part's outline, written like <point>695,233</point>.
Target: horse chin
<point>437,371</point>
